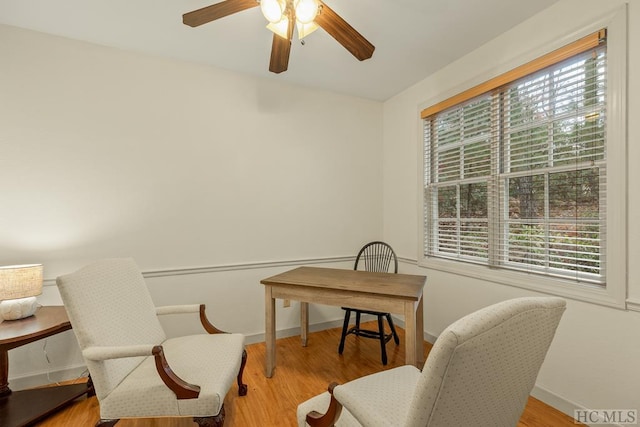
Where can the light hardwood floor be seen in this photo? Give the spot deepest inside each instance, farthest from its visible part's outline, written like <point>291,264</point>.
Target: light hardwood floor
<point>301,372</point>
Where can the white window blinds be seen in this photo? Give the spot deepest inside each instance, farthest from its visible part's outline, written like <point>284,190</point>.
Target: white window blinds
<point>515,177</point>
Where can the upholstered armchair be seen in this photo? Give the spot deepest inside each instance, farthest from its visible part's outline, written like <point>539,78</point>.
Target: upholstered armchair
<point>135,369</point>
<point>479,373</point>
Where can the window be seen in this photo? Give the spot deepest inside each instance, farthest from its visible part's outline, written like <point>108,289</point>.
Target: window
<point>516,170</point>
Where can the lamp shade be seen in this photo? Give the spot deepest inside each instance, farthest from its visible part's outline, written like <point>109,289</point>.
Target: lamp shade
<point>20,281</point>
<point>19,285</point>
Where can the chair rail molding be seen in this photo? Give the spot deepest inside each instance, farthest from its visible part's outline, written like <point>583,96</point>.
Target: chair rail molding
<point>180,271</point>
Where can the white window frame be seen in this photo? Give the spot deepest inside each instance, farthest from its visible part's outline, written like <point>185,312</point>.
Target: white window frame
<point>614,294</point>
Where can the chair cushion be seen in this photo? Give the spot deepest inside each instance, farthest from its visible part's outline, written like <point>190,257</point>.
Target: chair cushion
<point>388,395</point>
<point>143,393</point>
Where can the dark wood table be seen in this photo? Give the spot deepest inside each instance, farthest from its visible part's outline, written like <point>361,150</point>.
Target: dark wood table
<point>26,407</point>
<point>385,292</point>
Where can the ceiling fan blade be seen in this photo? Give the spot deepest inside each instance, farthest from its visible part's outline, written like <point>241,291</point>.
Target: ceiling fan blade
<point>344,33</point>
<point>280,49</point>
<point>216,11</point>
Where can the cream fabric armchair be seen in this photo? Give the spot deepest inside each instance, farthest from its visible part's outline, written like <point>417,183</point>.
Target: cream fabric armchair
<point>479,373</point>
<point>135,369</point>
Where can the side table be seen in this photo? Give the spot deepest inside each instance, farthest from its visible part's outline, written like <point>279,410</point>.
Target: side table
<point>26,407</point>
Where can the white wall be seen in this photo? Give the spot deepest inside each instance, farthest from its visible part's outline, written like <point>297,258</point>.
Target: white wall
<point>593,362</point>
<point>108,153</point>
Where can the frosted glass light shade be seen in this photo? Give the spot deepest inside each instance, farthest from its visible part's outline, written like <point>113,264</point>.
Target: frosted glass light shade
<point>272,9</point>
<point>306,11</point>
<point>19,284</point>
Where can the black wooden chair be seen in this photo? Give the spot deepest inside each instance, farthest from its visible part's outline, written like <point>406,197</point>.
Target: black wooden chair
<point>376,257</point>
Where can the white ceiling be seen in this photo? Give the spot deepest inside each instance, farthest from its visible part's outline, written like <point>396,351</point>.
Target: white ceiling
<point>413,38</point>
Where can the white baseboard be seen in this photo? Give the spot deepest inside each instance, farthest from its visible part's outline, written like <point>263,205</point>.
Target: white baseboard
<point>426,335</point>
<point>563,405</point>
<point>295,331</point>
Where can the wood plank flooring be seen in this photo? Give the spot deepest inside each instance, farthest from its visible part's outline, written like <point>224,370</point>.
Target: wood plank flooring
<point>301,372</point>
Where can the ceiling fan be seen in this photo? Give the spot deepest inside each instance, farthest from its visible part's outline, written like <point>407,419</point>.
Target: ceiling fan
<point>283,15</point>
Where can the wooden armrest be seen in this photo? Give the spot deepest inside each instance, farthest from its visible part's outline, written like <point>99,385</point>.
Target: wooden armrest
<point>329,418</point>
<point>206,324</point>
<point>181,388</point>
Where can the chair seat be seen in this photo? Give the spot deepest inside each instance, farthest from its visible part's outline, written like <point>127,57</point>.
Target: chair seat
<point>373,313</point>
<point>143,394</point>
<point>389,394</point>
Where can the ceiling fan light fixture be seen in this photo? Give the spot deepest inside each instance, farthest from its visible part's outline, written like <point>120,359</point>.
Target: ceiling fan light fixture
<point>307,15</point>
<point>305,29</point>
<point>273,10</point>
<point>306,10</point>
<point>280,28</point>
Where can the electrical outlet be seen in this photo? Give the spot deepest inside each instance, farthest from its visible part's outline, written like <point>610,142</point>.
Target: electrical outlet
<point>286,303</point>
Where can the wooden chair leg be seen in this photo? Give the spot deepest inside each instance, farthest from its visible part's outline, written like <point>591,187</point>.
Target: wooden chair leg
<point>345,328</point>
<point>106,423</point>
<point>215,421</point>
<point>242,388</point>
<point>91,391</point>
<point>383,341</point>
<point>396,339</point>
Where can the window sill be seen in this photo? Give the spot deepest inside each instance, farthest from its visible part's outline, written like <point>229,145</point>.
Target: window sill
<point>612,296</point>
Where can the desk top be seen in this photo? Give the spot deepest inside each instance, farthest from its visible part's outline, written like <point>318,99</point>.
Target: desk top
<point>406,286</point>
<point>47,321</point>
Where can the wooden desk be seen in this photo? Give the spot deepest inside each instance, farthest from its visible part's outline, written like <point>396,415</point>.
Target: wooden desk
<point>386,292</point>
<point>23,408</point>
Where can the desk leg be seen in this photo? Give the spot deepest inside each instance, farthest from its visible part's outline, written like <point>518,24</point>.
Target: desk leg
<point>420,333</point>
<point>410,321</point>
<point>304,322</point>
<point>270,331</point>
